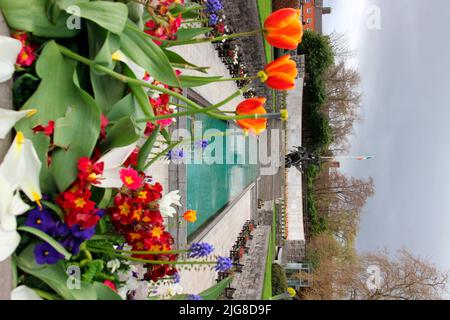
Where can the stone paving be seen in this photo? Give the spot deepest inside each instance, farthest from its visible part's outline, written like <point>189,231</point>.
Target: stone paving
<point>249,284</point>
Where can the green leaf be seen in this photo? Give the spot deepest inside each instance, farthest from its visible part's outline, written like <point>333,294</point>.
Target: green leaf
<point>216,291</point>
<point>109,15</point>
<point>121,134</point>
<point>31,16</point>
<point>123,108</point>
<point>106,199</point>
<point>92,269</point>
<point>178,60</point>
<point>102,44</point>
<point>189,33</point>
<point>188,10</point>
<point>105,292</point>
<point>194,81</point>
<point>58,98</point>
<point>55,244</point>
<point>54,276</point>
<point>54,208</point>
<point>143,51</point>
<point>147,148</point>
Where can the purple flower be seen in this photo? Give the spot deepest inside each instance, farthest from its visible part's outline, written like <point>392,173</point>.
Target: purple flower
<point>194,297</point>
<point>213,19</point>
<point>213,6</point>
<point>101,213</point>
<point>199,250</point>
<point>202,144</point>
<point>62,229</point>
<point>175,154</point>
<point>223,264</point>
<point>41,220</point>
<point>72,244</point>
<point>46,254</point>
<point>176,278</point>
<point>81,233</point>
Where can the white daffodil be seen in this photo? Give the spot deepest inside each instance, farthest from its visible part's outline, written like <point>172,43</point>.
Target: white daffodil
<point>10,49</point>
<point>11,205</point>
<point>113,163</point>
<point>167,201</point>
<point>24,293</point>
<point>21,168</point>
<point>8,119</point>
<point>138,71</point>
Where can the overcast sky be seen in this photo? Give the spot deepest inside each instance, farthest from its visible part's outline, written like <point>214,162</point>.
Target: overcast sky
<point>406,121</point>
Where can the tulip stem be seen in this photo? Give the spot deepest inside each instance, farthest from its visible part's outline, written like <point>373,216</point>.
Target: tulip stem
<point>153,261</point>
<point>172,43</point>
<point>142,83</point>
<point>237,79</point>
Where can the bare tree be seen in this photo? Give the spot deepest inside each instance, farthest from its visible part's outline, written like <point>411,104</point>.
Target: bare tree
<point>402,277</point>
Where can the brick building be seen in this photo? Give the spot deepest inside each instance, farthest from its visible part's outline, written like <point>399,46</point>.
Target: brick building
<point>312,13</point>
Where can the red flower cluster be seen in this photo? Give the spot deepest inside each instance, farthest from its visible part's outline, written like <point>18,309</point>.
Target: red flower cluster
<point>167,31</point>
<point>161,105</point>
<point>27,55</point>
<point>136,215</point>
<point>76,201</point>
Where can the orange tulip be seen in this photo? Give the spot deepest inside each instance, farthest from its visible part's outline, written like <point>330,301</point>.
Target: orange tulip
<point>283,29</point>
<point>250,107</point>
<point>190,216</point>
<point>280,74</point>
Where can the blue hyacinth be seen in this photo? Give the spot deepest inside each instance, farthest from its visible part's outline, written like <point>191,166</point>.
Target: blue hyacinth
<point>223,264</point>
<point>213,6</point>
<point>199,250</point>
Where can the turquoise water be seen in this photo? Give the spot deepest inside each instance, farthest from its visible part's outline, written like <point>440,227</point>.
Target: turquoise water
<point>211,186</point>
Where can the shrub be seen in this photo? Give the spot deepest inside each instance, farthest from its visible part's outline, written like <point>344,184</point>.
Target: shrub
<point>279,280</point>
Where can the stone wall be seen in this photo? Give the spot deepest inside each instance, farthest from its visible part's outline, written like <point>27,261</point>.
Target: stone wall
<point>249,284</point>
<point>6,103</point>
<point>279,4</point>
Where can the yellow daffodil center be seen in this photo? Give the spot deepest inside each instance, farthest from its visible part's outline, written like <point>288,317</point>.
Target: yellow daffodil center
<point>263,76</point>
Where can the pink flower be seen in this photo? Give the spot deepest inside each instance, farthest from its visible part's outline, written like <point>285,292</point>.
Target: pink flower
<point>110,284</point>
<point>131,178</point>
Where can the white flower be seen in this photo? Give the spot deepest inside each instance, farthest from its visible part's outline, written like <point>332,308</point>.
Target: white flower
<point>24,293</point>
<point>11,205</point>
<point>21,167</point>
<point>10,49</point>
<point>8,119</point>
<point>113,265</point>
<point>166,202</point>
<point>113,161</point>
<point>134,282</point>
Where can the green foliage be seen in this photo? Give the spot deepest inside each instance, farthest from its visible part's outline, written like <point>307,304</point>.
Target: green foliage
<point>147,148</point>
<point>319,53</point>
<point>318,224</point>
<point>279,280</point>
<point>136,45</point>
<point>60,99</point>
<point>24,87</point>
<point>267,286</point>
<point>216,291</point>
<point>92,270</point>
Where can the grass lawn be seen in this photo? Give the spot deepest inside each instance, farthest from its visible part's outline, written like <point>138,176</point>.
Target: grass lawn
<point>267,289</point>
<point>265,9</point>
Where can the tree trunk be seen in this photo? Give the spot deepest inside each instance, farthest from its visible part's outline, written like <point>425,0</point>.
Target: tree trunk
<point>5,102</point>
<point>280,4</point>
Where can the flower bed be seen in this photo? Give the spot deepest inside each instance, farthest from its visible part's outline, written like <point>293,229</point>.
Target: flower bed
<point>96,87</point>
